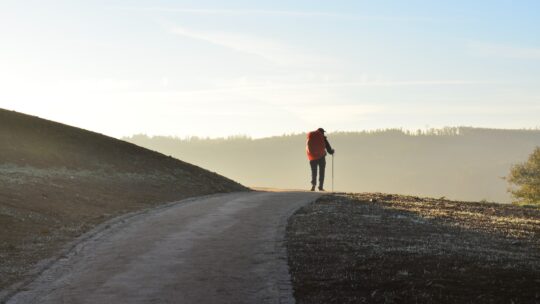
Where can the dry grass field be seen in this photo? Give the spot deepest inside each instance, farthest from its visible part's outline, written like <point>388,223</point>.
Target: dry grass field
<point>377,248</point>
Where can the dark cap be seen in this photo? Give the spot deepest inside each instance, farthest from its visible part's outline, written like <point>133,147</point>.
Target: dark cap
<point>321,130</point>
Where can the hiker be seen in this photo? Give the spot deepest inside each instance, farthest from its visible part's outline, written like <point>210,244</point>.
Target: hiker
<point>316,146</point>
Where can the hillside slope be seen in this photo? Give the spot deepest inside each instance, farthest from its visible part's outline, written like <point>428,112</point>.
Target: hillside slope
<point>57,182</point>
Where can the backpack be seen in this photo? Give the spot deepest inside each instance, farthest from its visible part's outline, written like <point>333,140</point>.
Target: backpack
<point>315,146</point>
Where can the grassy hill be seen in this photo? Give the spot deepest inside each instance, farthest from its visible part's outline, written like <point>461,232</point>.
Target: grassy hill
<point>57,182</point>
<point>458,163</point>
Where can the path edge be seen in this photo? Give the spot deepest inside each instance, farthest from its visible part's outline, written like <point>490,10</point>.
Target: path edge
<point>71,247</point>
<point>284,280</point>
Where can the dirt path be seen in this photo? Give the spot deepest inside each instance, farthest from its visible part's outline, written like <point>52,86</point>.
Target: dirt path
<point>219,249</point>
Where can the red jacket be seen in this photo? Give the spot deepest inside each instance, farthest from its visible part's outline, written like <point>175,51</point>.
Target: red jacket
<point>316,145</point>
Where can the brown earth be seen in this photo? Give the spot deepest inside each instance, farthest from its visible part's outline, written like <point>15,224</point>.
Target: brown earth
<point>376,248</point>
<point>57,182</point>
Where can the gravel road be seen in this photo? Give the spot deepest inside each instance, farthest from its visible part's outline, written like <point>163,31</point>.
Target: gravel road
<point>218,249</point>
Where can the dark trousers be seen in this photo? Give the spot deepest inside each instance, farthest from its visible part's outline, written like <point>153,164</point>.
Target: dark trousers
<point>321,164</point>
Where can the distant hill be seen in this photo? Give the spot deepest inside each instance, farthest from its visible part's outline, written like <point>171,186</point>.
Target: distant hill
<point>459,163</point>
<point>57,182</point>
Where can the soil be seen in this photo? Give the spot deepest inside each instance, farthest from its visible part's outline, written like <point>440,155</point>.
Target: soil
<point>57,182</point>
<point>377,248</point>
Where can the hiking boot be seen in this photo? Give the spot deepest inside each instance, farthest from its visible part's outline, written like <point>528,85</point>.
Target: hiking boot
<point>321,189</point>
<point>313,188</point>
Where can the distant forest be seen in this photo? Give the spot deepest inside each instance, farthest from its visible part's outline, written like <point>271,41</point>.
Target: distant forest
<point>457,163</point>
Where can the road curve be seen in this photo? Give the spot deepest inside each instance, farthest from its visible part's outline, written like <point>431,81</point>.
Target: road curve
<point>219,249</point>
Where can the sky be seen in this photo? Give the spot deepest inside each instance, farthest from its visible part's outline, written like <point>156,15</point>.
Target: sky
<point>264,68</point>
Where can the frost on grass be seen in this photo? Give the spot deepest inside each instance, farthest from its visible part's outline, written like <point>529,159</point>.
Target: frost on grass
<point>377,248</point>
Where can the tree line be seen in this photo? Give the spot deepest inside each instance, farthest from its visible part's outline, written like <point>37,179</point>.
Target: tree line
<point>462,163</point>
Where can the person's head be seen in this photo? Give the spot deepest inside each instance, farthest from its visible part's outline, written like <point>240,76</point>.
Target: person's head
<point>321,130</point>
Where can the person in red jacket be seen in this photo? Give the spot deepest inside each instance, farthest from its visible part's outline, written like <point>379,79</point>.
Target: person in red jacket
<point>317,145</point>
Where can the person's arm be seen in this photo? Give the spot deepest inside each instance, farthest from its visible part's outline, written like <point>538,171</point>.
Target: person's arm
<point>328,147</point>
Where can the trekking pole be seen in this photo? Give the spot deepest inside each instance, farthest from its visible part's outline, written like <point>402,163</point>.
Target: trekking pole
<point>332,172</point>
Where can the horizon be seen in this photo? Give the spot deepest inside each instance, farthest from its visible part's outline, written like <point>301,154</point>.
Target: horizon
<point>408,132</point>
<point>263,69</point>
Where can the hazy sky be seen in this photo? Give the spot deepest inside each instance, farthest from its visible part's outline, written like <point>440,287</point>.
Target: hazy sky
<point>260,68</point>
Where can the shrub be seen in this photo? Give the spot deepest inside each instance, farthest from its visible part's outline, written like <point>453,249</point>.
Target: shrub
<point>526,180</point>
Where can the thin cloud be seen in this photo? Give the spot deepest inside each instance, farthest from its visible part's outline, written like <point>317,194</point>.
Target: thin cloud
<point>275,13</point>
<point>315,85</point>
<point>504,51</point>
<point>238,42</point>
<point>402,83</point>
<point>336,113</point>
<point>232,12</point>
<point>287,88</point>
<point>269,49</point>
<point>311,86</point>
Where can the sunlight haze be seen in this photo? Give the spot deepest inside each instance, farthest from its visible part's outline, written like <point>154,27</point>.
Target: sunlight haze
<point>263,68</point>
